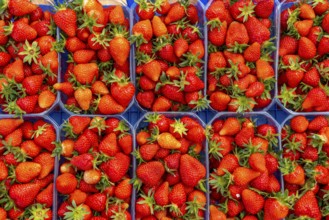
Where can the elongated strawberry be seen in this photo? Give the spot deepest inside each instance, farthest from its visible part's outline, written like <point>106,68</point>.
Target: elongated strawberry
<point>66,20</point>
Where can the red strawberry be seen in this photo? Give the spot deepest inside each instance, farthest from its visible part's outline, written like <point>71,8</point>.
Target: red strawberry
<point>191,170</point>
<point>257,31</point>
<point>150,173</point>
<point>66,20</point>
<point>253,202</point>
<point>21,7</point>
<point>117,167</point>
<point>307,205</point>
<point>306,48</point>
<point>24,194</point>
<point>20,31</point>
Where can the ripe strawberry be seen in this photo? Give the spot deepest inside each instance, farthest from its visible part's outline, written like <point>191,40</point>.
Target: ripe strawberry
<point>253,202</point>
<point>27,171</point>
<point>230,127</point>
<point>264,9</point>
<point>66,20</point>
<point>117,167</point>
<point>191,170</point>
<point>4,171</point>
<point>150,173</point>
<point>107,105</point>
<point>21,7</point>
<point>66,183</point>
<point>306,48</point>
<point>46,196</point>
<point>257,31</point>
<point>96,202</point>
<point>176,12</point>
<point>20,31</point>
<point>24,194</point>
<point>47,163</point>
<point>307,205</point>
<point>242,176</point>
<point>314,98</point>
<point>299,124</point>
<point>253,52</point>
<point>236,33</point>
<point>45,136</point>
<point>317,123</point>
<point>177,195</point>
<point>143,29</point>
<point>288,45</point>
<point>274,208</point>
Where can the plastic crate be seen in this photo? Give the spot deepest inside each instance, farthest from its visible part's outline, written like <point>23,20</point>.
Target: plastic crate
<point>201,12</point>
<point>141,124</point>
<point>46,7</point>
<point>59,161</point>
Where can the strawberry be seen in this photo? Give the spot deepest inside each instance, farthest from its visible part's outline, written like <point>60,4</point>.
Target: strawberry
<point>177,195</point>
<point>83,161</point>
<point>107,105</point>
<point>219,101</point>
<point>27,171</point>
<point>20,31</point>
<point>9,125</point>
<point>97,201</point>
<point>46,99</point>
<point>119,43</point>
<point>307,206</point>
<point>45,136</point>
<point>123,91</point>
<point>176,12</point>
<point>315,97</point>
<point>253,52</point>
<point>236,33</point>
<point>24,194</point>
<point>21,7</point>
<point>143,29</point>
<point>66,183</point>
<point>66,20</point>
<point>46,196</point>
<point>253,202</point>
<point>191,170</point>
<point>264,9</point>
<point>117,167</point>
<point>150,173</point>
<point>161,195</point>
<point>306,48</point>
<point>242,175</point>
<point>230,127</point>
<point>274,208</point>
<point>258,34</point>
<point>47,163</point>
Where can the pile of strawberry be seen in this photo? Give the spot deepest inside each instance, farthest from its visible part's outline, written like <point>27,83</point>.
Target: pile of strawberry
<point>96,39</point>
<point>26,169</point>
<point>169,56</point>
<point>305,166</point>
<point>28,61</point>
<point>94,178</point>
<point>244,166</point>
<point>304,64</point>
<point>169,176</point>
<point>240,66</point>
